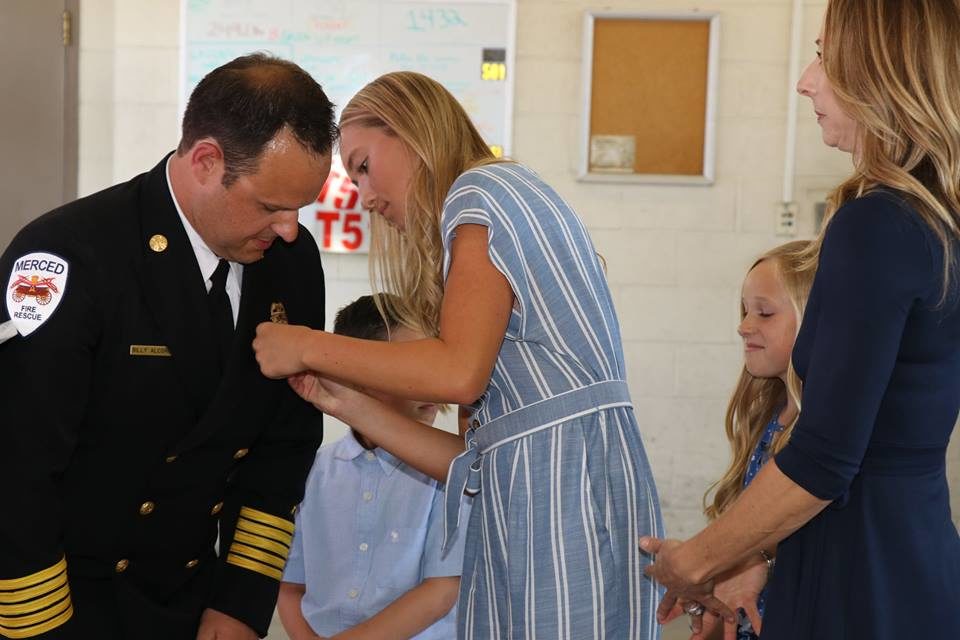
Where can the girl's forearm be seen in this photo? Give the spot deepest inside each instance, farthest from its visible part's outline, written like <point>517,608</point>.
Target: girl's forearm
<point>409,614</point>
<point>428,369</point>
<point>453,368</point>
<point>288,607</point>
<point>427,449</point>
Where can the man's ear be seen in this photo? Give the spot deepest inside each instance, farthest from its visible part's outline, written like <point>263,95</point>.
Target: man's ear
<point>206,161</point>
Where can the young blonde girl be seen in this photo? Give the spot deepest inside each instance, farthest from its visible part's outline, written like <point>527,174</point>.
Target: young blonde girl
<point>487,258</point>
<point>765,404</point>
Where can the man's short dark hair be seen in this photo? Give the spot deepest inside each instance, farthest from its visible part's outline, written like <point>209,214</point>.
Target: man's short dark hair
<point>246,102</point>
<point>362,319</point>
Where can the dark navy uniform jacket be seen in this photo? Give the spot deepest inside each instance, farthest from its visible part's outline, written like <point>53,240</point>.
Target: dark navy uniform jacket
<point>124,453</point>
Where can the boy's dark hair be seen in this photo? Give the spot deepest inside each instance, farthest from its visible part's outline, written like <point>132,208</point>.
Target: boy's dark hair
<point>361,319</point>
<point>246,102</point>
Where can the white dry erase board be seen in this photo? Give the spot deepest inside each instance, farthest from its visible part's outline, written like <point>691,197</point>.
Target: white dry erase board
<point>467,45</point>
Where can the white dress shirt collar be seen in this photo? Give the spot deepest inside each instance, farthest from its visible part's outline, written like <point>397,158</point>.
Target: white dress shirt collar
<point>207,260</point>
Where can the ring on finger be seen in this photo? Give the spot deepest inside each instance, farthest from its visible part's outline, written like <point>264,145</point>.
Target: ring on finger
<point>694,609</point>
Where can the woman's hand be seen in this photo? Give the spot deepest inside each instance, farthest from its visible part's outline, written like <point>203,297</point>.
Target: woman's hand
<point>279,348</point>
<point>670,569</point>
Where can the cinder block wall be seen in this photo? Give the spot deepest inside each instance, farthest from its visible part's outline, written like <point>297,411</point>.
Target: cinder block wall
<point>676,255</point>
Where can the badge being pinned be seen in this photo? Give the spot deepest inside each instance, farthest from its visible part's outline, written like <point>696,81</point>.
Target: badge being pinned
<point>36,286</point>
<point>278,314</point>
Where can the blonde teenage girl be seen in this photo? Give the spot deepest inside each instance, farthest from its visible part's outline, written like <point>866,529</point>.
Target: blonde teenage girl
<point>486,257</point>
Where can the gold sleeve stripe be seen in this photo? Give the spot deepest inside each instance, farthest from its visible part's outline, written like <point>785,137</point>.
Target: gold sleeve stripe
<point>33,578</point>
<point>40,628</point>
<point>13,597</point>
<point>33,605</point>
<point>267,532</point>
<point>262,543</point>
<point>256,554</point>
<point>267,519</point>
<point>253,565</point>
<point>36,618</point>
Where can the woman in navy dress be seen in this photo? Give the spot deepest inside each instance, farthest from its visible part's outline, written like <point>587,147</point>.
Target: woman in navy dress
<point>858,499</point>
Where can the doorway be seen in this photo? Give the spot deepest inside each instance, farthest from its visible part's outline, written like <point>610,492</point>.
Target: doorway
<point>38,109</point>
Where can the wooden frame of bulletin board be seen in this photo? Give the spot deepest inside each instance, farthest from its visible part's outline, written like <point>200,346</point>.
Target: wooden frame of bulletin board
<point>649,97</point>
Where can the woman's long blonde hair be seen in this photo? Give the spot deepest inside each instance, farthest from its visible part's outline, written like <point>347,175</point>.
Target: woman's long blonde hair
<point>755,400</point>
<point>894,66</point>
<point>436,129</point>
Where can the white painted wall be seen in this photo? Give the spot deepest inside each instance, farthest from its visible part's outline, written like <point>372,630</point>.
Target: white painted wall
<point>676,255</point>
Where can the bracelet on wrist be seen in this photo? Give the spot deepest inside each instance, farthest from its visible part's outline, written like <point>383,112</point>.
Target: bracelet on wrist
<point>770,560</point>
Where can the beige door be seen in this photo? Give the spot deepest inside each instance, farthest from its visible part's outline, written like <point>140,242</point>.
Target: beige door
<point>38,110</point>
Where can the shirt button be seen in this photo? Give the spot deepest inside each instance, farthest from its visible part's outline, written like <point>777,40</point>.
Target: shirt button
<point>147,508</point>
<point>364,546</point>
<point>371,455</point>
<point>394,535</point>
<point>367,496</point>
<point>240,453</point>
<point>216,508</point>
<point>192,563</point>
<point>353,593</point>
<point>121,565</point>
<point>170,459</point>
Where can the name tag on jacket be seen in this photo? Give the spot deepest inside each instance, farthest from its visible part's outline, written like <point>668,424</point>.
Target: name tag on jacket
<point>149,350</point>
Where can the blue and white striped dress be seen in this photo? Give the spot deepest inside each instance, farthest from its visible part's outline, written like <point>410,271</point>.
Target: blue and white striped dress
<point>555,453</point>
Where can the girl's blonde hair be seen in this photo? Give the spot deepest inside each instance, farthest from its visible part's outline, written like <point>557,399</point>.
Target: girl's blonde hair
<point>894,66</point>
<point>439,133</point>
<point>755,400</point>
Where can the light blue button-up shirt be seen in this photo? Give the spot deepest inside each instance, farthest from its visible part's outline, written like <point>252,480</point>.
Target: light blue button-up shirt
<point>370,528</point>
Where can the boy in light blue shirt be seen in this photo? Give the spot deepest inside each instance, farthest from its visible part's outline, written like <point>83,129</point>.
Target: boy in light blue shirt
<point>366,558</point>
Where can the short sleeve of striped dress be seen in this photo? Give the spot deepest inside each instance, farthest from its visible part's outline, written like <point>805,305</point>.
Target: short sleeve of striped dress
<point>475,198</point>
<point>563,332</point>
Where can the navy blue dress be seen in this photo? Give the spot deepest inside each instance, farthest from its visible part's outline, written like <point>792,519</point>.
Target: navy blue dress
<point>881,366</point>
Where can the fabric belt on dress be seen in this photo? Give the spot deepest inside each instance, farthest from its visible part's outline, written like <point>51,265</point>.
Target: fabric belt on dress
<point>463,475</point>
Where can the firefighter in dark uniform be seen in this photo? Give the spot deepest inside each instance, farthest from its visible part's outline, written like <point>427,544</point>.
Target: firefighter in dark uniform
<point>137,429</point>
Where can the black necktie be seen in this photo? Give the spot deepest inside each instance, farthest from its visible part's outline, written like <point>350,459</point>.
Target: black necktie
<point>221,314</point>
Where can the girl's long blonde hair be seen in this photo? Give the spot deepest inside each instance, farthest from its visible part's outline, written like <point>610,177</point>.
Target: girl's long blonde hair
<point>755,400</point>
<point>437,130</point>
<point>894,66</point>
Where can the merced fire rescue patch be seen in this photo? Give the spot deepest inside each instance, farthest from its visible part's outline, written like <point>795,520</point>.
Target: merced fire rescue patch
<point>37,284</point>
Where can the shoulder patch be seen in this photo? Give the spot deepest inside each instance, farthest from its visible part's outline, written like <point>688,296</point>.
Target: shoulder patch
<point>37,284</point>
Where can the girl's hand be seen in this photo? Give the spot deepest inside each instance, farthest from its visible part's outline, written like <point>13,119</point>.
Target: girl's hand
<point>279,348</point>
<point>332,398</point>
<point>739,588</point>
<point>308,386</point>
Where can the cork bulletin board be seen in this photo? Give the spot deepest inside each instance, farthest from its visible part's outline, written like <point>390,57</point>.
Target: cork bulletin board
<point>649,99</point>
